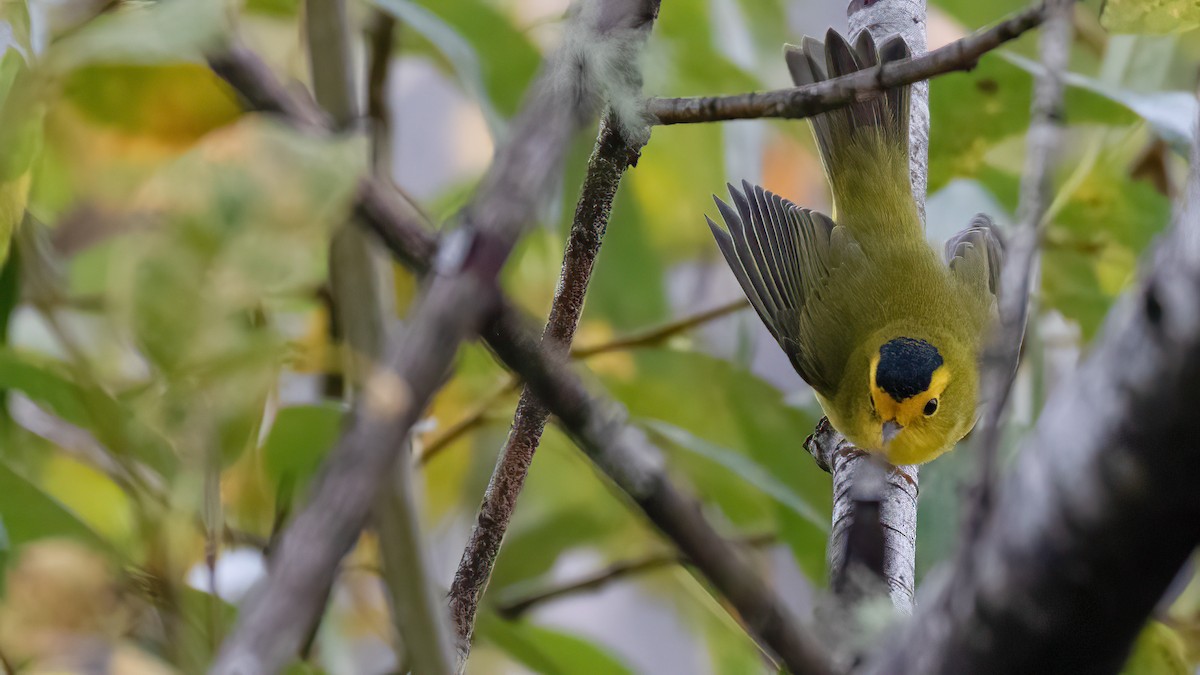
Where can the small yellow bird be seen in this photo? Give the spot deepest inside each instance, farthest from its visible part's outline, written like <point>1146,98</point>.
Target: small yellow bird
<point>885,331</point>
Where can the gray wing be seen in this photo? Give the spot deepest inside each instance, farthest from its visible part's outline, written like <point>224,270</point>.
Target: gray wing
<point>976,254</point>
<point>781,255</point>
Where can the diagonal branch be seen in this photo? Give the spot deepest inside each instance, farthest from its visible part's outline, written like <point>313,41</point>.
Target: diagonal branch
<point>1101,509</point>
<point>612,155</point>
<point>656,335</point>
<point>811,99</point>
<point>452,308</point>
<point>597,424</point>
<point>513,604</point>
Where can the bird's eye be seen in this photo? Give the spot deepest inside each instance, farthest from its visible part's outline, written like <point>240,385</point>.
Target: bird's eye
<point>931,407</point>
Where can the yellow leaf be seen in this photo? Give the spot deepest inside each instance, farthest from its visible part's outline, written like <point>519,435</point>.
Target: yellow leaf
<point>1158,651</point>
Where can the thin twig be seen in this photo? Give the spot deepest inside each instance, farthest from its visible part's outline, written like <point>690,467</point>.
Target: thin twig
<point>454,305</point>
<point>612,155</point>
<point>656,335</point>
<point>477,416</point>
<point>1001,355</point>
<point>597,424</point>
<point>811,99</point>
<point>381,32</point>
<point>513,604</point>
<point>481,413</point>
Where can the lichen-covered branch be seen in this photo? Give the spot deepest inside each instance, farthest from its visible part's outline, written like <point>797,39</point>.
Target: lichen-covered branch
<point>611,156</point>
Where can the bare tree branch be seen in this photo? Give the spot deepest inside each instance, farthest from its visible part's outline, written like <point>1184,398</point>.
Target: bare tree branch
<point>512,604</point>
<point>1101,509</point>
<point>612,155</point>
<point>658,334</point>
<point>381,33</point>
<point>598,425</point>
<point>811,99</point>
<point>452,308</point>
<point>999,363</point>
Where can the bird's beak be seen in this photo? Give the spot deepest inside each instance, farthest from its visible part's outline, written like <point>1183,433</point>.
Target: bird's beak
<point>890,429</point>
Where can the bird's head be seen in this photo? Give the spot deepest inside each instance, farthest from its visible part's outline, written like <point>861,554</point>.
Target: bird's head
<point>918,407</point>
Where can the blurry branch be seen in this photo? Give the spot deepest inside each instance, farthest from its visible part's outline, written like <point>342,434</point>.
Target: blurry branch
<point>597,424</point>
<point>362,306</point>
<point>452,308</point>
<point>512,605</point>
<point>1001,356</point>
<point>381,32</point>
<point>1101,509</point>
<point>811,99</point>
<point>610,158</point>
<point>658,334</point>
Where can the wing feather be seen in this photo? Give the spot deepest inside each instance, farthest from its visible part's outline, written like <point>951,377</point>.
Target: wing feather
<point>976,254</point>
<point>781,255</point>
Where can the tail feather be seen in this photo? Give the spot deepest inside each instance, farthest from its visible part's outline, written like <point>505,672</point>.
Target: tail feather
<point>879,122</point>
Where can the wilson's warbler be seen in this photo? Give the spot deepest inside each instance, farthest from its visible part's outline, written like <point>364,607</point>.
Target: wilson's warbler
<point>886,332</point>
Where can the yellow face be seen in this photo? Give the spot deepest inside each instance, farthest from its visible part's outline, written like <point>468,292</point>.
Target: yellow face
<point>908,430</point>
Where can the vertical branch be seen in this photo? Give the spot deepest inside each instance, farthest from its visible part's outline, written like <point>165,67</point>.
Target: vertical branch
<point>1001,357</point>
<point>893,503</point>
<point>361,305</point>
<point>611,156</point>
<point>381,33</point>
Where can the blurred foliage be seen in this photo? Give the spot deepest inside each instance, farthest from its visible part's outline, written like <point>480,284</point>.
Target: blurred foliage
<point>165,322</point>
<point>1150,16</point>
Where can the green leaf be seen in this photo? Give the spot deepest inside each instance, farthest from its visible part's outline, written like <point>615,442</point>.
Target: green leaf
<point>275,8</point>
<point>1159,650</point>
<point>1150,16</point>
<point>973,113</point>
<point>30,514</point>
<point>547,651</point>
<point>49,385</point>
<point>1093,245</point>
<point>1170,113</point>
<point>147,33</point>
<point>507,59</point>
<point>741,466</point>
<point>20,119</point>
<point>687,62</point>
<point>299,439</point>
<point>172,102</point>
